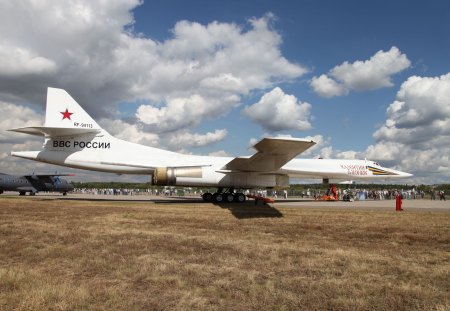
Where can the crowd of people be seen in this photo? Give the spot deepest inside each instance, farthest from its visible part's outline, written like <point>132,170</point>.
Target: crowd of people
<point>114,191</point>
<point>391,194</point>
<point>353,194</point>
<point>166,191</point>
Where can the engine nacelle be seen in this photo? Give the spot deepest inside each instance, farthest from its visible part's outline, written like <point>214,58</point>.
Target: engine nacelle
<point>167,176</point>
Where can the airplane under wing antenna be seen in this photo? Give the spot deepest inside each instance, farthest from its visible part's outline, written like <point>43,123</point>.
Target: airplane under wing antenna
<point>272,154</point>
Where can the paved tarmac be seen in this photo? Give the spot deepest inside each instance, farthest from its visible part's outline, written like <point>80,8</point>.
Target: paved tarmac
<point>408,205</point>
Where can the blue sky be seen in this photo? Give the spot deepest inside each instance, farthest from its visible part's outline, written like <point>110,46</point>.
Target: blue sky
<point>362,78</point>
<point>321,35</point>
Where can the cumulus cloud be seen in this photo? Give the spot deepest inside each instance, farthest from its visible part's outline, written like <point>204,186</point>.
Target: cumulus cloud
<point>129,132</point>
<point>89,48</point>
<point>69,44</point>
<point>98,58</point>
<point>277,111</point>
<point>327,87</point>
<point>421,112</point>
<point>348,154</point>
<point>197,140</point>
<point>219,153</point>
<point>322,148</point>
<point>13,116</point>
<point>16,62</point>
<point>371,74</point>
<point>179,113</point>
<point>416,132</point>
<point>210,68</point>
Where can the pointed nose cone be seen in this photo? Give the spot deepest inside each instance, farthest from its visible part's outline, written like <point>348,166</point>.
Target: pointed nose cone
<point>406,174</point>
<point>402,174</point>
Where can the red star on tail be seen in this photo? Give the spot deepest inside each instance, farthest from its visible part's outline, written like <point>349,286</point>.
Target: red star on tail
<point>66,114</point>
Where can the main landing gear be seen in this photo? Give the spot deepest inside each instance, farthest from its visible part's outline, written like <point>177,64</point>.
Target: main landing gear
<point>224,197</point>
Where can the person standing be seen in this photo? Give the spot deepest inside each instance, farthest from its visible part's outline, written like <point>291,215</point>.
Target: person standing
<point>398,202</point>
<point>433,194</point>
<point>442,195</point>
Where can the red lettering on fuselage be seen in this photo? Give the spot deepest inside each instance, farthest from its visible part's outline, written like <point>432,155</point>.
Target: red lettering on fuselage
<point>355,169</point>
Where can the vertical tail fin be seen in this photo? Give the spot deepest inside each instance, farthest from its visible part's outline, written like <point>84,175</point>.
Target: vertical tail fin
<point>63,116</point>
<point>63,111</point>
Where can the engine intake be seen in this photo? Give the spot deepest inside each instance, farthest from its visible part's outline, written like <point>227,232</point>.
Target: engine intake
<point>167,176</point>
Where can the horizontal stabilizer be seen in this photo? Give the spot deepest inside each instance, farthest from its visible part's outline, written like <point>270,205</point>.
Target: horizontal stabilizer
<point>53,131</point>
<point>47,175</point>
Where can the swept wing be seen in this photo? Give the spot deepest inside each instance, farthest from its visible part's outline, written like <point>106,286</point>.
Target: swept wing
<point>272,154</point>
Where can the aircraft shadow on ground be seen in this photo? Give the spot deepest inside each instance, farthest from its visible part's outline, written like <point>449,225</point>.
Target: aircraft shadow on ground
<point>239,210</point>
<point>250,210</point>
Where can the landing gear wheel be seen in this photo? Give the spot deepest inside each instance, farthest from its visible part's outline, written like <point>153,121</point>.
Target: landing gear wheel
<point>207,197</point>
<point>239,197</point>
<point>218,197</point>
<point>229,197</point>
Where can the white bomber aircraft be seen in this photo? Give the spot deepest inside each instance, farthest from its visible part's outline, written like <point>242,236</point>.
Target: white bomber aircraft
<point>74,139</point>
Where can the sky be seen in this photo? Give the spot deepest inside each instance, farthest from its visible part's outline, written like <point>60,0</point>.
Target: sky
<point>364,79</point>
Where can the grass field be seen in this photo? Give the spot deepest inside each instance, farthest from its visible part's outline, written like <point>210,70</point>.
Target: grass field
<point>87,255</point>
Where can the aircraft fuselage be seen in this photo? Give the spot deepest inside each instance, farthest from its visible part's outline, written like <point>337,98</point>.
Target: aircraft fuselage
<point>108,154</point>
<point>74,139</point>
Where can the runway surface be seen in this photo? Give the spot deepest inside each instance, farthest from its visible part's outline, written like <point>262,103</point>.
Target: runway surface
<point>408,205</point>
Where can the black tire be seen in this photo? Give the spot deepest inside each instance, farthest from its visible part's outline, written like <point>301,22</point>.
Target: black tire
<point>240,197</point>
<point>228,197</point>
<point>207,197</point>
<point>218,197</point>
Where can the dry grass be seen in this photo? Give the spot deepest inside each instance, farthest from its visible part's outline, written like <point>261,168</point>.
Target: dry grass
<point>85,255</point>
